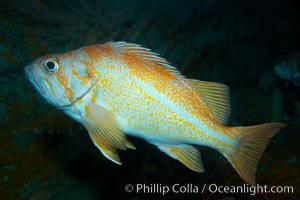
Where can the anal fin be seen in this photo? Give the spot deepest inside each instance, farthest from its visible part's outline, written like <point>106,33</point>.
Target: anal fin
<point>186,154</point>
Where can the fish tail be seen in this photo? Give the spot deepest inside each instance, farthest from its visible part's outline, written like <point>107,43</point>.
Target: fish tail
<point>252,143</point>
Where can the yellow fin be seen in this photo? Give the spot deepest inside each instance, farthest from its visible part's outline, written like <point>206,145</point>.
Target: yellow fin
<point>107,150</point>
<point>253,141</point>
<point>217,97</point>
<point>130,145</point>
<point>186,154</point>
<point>105,132</point>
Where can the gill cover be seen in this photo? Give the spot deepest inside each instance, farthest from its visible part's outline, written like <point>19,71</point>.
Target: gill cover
<point>61,79</point>
<point>71,76</point>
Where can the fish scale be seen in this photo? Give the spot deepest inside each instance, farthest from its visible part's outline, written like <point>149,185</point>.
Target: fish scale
<point>113,86</point>
<point>121,88</point>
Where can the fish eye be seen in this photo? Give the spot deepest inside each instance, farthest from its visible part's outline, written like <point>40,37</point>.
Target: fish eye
<point>50,66</point>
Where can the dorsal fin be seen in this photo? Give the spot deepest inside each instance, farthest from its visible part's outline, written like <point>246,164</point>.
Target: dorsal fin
<point>148,55</point>
<point>217,97</point>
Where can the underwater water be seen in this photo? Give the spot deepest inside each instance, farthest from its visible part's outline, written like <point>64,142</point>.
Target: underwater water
<point>44,154</point>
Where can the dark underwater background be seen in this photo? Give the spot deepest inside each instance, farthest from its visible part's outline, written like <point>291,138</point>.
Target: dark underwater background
<point>46,155</point>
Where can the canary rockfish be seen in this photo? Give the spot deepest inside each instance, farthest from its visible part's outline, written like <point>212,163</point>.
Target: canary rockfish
<point>117,88</point>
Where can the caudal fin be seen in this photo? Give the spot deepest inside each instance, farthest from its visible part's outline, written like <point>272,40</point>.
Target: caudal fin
<point>253,141</point>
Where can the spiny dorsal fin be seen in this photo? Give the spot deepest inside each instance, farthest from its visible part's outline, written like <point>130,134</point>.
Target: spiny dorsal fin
<point>146,54</point>
<point>217,97</point>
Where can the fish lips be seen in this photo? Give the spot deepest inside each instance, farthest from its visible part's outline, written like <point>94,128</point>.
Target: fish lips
<point>34,79</point>
<point>28,73</point>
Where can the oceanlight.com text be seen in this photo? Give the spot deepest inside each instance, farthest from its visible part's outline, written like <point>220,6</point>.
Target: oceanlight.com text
<point>248,189</point>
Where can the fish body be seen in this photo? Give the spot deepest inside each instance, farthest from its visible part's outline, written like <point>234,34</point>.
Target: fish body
<point>289,68</point>
<point>118,88</point>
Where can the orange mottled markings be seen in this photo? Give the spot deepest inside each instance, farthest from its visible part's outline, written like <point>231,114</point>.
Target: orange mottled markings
<point>95,52</point>
<point>64,56</point>
<point>83,79</point>
<point>90,69</point>
<point>176,89</point>
<point>75,73</point>
<point>87,109</point>
<point>86,63</point>
<point>228,131</point>
<point>50,85</point>
<point>94,96</point>
<point>163,81</point>
<point>69,54</point>
<point>63,80</point>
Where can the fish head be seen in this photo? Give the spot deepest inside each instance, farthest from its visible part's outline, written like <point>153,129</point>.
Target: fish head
<point>289,68</point>
<point>287,71</point>
<point>60,78</point>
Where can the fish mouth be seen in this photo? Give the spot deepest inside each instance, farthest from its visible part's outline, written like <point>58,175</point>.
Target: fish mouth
<point>33,79</point>
<point>29,75</point>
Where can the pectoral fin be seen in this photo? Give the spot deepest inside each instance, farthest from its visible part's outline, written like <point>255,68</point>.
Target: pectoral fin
<point>129,145</point>
<point>186,154</point>
<point>105,132</point>
<point>107,150</point>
